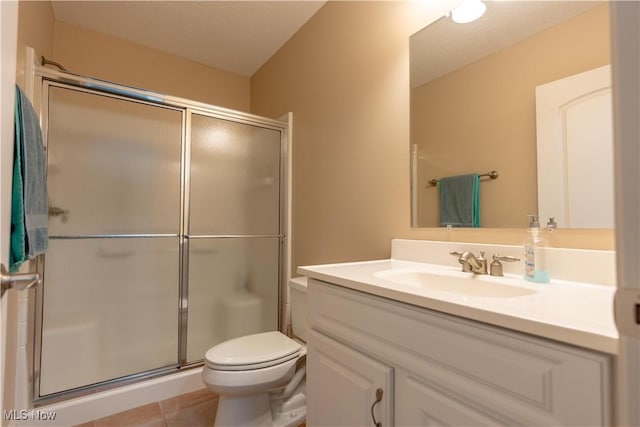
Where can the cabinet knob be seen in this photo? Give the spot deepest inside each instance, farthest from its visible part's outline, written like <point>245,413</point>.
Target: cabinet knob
<point>378,399</point>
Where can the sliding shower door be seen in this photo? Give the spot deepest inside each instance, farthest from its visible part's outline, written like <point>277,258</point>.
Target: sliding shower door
<point>166,234</point>
<point>111,274</point>
<point>234,231</point>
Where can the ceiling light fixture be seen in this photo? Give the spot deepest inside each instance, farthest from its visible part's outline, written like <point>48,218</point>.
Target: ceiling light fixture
<point>468,11</point>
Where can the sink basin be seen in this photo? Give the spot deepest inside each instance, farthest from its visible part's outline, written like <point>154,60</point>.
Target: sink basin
<point>461,284</point>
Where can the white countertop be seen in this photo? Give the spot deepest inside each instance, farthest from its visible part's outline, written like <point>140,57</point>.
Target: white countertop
<point>575,313</point>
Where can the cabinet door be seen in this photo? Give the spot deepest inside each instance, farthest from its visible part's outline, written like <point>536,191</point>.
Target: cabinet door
<point>342,384</point>
<point>419,403</point>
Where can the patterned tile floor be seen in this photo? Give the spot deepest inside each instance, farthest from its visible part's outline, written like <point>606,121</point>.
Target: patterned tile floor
<point>188,410</point>
<point>197,409</point>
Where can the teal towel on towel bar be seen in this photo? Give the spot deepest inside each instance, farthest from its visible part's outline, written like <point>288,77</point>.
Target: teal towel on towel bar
<point>460,201</point>
<point>29,204</point>
<point>17,248</point>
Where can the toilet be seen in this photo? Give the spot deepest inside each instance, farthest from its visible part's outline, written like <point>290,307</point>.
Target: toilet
<point>260,378</point>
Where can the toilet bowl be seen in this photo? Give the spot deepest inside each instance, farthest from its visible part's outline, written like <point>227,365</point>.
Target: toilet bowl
<point>260,377</point>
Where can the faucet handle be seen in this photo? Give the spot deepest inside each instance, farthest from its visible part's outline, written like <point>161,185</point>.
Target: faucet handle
<point>505,258</point>
<point>496,267</point>
<point>455,253</point>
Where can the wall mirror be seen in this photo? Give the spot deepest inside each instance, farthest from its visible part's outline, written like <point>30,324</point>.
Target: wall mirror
<point>473,110</point>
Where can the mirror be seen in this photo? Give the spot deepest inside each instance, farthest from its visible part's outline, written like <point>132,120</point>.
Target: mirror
<point>473,103</point>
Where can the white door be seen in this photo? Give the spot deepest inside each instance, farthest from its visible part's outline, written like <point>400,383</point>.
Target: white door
<point>574,121</point>
<point>342,386</point>
<point>626,103</point>
<point>9,28</point>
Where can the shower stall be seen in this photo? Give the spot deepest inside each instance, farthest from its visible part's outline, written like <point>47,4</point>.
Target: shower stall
<point>167,233</point>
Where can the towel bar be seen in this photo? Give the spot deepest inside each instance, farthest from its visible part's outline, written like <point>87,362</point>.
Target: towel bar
<point>17,281</point>
<point>492,175</point>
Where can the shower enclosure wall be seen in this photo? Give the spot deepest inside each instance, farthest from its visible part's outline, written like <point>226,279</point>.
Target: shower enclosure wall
<point>166,226</point>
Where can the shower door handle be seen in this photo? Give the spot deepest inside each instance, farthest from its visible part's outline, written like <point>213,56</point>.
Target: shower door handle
<point>17,281</point>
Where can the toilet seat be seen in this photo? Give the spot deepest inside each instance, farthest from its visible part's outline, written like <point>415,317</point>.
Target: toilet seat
<point>252,352</point>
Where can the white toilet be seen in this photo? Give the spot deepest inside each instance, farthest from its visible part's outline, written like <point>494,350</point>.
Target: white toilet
<point>260,378</point>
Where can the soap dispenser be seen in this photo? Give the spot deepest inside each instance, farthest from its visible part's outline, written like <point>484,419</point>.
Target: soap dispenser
<point>534,263</point>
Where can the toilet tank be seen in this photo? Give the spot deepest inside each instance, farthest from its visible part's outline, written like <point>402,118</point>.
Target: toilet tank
<point>298,306</point>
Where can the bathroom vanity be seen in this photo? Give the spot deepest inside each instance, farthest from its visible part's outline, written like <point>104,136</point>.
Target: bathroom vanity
<point>387,347</point>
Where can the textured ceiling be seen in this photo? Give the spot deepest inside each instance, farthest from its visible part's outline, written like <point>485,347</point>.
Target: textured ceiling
<point>445,46</point>
<point>236,36</point>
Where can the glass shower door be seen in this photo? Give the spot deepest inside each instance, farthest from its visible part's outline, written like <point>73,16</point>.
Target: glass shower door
<point>111,275</point>
<point>234,234</point>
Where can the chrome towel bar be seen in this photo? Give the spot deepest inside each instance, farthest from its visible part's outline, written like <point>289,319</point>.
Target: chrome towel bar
<point>492,175</point>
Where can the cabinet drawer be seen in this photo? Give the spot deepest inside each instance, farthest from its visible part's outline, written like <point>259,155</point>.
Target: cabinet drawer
<point>531,380</point>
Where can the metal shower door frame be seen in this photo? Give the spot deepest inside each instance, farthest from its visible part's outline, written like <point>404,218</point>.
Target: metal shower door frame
<point>44,78</point>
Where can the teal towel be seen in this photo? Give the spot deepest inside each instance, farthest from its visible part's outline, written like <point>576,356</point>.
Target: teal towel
<point>460,201</point>
<point>17,249</point>
<point>29,205</point>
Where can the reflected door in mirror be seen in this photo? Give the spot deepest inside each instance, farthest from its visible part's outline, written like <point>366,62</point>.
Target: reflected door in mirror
<point>575,150</point>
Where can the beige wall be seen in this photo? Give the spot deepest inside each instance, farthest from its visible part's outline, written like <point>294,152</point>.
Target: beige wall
<point>482,117</point>
<point>109,58</point>
<point>35,29</point>
<point>345,77</point>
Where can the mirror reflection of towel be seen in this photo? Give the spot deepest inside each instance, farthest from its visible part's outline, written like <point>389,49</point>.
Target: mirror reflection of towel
<point>460,200</point>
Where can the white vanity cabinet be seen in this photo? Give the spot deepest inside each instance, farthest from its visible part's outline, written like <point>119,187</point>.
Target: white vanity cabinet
<point>437,369</point>
<point>344,386</point>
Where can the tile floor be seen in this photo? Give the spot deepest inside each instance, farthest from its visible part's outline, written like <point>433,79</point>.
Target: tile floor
<point>197,409</point>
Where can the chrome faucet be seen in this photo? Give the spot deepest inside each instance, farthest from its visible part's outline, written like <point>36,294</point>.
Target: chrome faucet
<point>471,263</point>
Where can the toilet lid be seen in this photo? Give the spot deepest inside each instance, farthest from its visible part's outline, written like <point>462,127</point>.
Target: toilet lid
<point>252,352</point>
